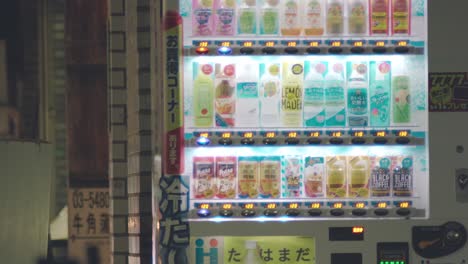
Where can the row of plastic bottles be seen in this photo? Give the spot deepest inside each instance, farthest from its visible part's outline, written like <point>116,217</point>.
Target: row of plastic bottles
<point>300,17</point>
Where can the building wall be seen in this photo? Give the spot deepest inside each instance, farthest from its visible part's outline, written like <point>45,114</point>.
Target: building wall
<point>26,169</point>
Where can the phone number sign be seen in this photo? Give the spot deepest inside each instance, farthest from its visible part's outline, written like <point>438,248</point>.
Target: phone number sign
<point>88,223</point>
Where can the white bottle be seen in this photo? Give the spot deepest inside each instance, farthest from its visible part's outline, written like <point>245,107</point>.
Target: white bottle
<point>251,256</point>
<point>314,107</point>
<point>357,94</point>
<point>247,103</point>
<point>335,104</point>
<point>270,94</point>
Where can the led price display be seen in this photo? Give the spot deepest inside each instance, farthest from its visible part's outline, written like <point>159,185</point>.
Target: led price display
<point>204,206</point>
<point>336,44</point>
<point>380,134</point>
<point>404,205</point>
<point>247,44</point>
<point>314,134</point>
<point>227,206</point>
<point>292,135</point>
<point>270,134</point>
<point>315,205</point>
<point>314,44</point>
<point>204,134</point>
<point>249,206</point>
<point>226,135</point>
<point>358,44</point>
<point>358,133</point>
<point>380,44</point>
<point>203,44</point>
<point>358,230</point>
<point>402,43</point>
<point>360,205</point>
<point>293,206</point>
<point>382,205</point>
<point>271,206</point>
<point>338,205</point>
<point>269,44</point>
<point>248,135</point>
<point>403,133</point>
<point>336,134</point>
<point>292,44</point>
<point>225,44</point>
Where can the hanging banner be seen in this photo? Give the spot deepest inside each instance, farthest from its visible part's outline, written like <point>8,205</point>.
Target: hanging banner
<point>172,94</point>
<point>258,249</point>
<point>448,92</point>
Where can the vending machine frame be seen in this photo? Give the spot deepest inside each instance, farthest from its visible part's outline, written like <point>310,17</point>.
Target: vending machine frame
<point>393,232</point>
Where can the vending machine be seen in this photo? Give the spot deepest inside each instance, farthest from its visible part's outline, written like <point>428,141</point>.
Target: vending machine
<point>296,131</point>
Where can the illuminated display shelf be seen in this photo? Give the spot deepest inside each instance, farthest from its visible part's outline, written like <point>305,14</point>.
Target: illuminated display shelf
<point>305,138</point>
<point>304,50</point>
<point>342,46</point>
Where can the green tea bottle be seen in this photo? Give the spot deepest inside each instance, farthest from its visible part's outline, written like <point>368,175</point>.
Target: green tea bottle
<point>401,99</point>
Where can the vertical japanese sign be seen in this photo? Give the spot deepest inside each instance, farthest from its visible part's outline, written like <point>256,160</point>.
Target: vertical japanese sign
<point>172,94</point>
<point>259,249</point>
<point>174,233</point>
<point>173,204</point>
<point>88,223</point>
<point>448,92</point>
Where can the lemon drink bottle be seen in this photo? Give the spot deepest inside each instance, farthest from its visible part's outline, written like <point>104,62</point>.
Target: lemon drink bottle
<point>291,95</point>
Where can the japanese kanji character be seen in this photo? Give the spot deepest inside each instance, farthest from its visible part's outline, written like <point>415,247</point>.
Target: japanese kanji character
<point>104,223</point>
<point>91,220</point>
<point>175,196</point>
<point>77,223</point>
